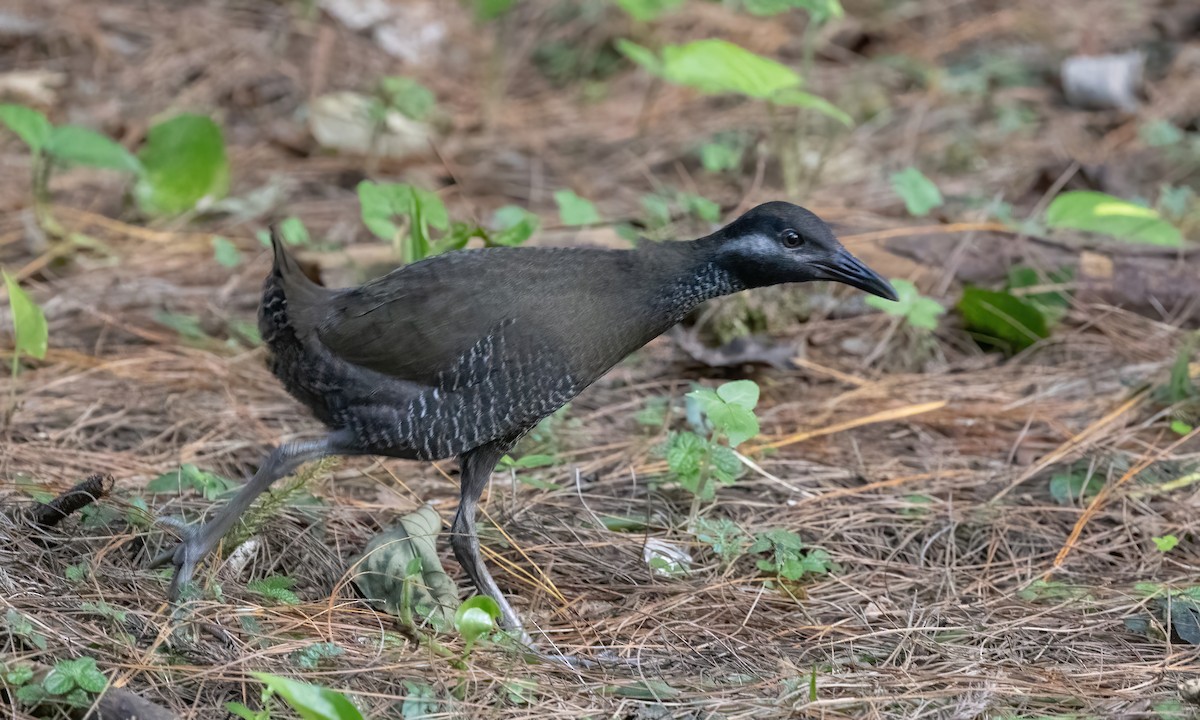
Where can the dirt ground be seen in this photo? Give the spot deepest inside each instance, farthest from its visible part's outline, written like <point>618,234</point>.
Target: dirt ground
<point>964,588</point>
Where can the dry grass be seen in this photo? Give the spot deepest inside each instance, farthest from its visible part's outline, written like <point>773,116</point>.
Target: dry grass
<point>930,488</point>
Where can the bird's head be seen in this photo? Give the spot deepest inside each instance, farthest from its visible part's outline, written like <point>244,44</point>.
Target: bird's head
<point>778,242</point>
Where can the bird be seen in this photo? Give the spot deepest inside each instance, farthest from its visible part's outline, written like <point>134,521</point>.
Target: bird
<point>461,354</point>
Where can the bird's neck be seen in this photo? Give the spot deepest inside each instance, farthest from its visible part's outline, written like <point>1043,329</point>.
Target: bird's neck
<point>688,274</point>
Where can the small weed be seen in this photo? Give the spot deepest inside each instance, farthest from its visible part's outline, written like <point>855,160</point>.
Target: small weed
<point>404,95</point>
<point>61,146</point>
<point>275,587</point>
<point>574,210</point>
<point>697,460</point>
<point>723,153</point>
<point>190,477</point>
<point>312,702</point>
<point>920,195</point>
<point>786,557</point>
<point>919,312</point>
<point>1080,483</point>
<point>73,683</point>
<point>22,627</point>
<point>1166,543</point>
<point>31,335</point>
<point>311,656</point>
<point>727,540</point>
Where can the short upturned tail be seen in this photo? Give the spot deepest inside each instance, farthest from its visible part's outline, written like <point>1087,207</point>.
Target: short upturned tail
<point>290,301</point>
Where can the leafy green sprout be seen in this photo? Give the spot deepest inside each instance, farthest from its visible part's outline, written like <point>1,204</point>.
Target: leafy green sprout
<point>916,310</point>
<point>476,619</point>
<point>698,461</point>
<point>311,702</point>
<point>406,215</point>
<point>275,587</point>
<point>73,682</point>
<point>719,67</point>
<point>574,210</point>
<point>30,333</point>
<point>61,146</point>
<point>920,195</point>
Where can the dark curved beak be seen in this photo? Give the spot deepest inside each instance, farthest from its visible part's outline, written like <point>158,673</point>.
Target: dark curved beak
<point>845,268</point>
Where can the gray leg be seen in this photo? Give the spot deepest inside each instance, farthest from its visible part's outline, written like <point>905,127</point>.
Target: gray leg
<point>200,541</point>
<point>477,466</point>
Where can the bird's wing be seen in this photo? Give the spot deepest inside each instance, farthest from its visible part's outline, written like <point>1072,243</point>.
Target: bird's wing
<point>419,322</point>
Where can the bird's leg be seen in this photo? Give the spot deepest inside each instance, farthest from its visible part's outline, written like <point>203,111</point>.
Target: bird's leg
<point>477,466</point>
<point>200,541</point>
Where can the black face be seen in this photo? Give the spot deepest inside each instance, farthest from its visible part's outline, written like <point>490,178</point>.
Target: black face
<point>779,242</point>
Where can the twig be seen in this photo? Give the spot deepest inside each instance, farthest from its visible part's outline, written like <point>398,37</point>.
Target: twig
<point>47,515</point>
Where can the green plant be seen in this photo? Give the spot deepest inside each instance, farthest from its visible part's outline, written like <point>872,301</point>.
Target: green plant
<point>61,146</point>
<point>190,477</point>
<point>1000,319</point>
<point>1160,133</point>
<point>404,95</point>
<point>662,207</point>
<point>696,461</point>
<point>70,682</point>
<point>1079,483</point>
<point>405,214</point>
<point>1097,212</point>
<point>720,67</point>
<point>723,153</point>
<point>225,252</point>
<point>310,656</point>
<point>31,335</point>
<point>311,702</point>
<point>918,311</point>
<point>22,627</point>
<point>786,557</point>
<point>726,539</point>
<point>574,210</point>
<point>275,587</point>
<point>648,10</point>
<point>919,193</point>
<point>476,618</point>
<point>1166,543</point>
<point>183,165</point>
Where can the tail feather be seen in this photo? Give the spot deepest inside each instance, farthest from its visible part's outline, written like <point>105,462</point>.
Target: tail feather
<point>306,300</point>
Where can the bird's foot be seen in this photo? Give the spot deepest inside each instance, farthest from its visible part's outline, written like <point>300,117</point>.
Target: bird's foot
<point>193,546</point>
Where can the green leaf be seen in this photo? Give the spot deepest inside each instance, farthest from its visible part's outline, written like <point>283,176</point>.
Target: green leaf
<point>31,334</point>
<point>1165,543</point>
<point>19,675</point>
<point>381,202</point>
<point>795,97</point>
<point>1179,427</point>
<point>74,145</point>
<point>1068,487</point>
<point>743,393</point>
<point>1001,319</point>
<point>574,210</point>
<point>1100,213</point>
<point>727,540</point>
<point>701,207</point>
<point>312,702</point>
<point>685,451</point>
<point>190,477</point>
<point>185,163</point>
<point>407,96</point>
<point>245,713</point>
<point>225,252</point>
<point>737,423</point>
<point>641,55</point>
<point>1052,303</point>
<point>294,232</point>
<point>375,204</point>
<point>28,124</point>
<point>647,10</point>
<point>917,310</point>
<point>919,193</point>
<point>513,225</point>
<point>486,10</point>
<point>725,465</point>
<point>720,156</point>
<point>88,676</point>
<point>420,701</point>
<point>59,681</point>
<point>821,10</point>
<point>1160,133</point>
<point>275,587</point>
<point>476,618</point>
<point>717,66</point>
<point>31,695</point>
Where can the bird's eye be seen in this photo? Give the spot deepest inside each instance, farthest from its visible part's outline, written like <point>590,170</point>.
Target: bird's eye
<point>791,239</point>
